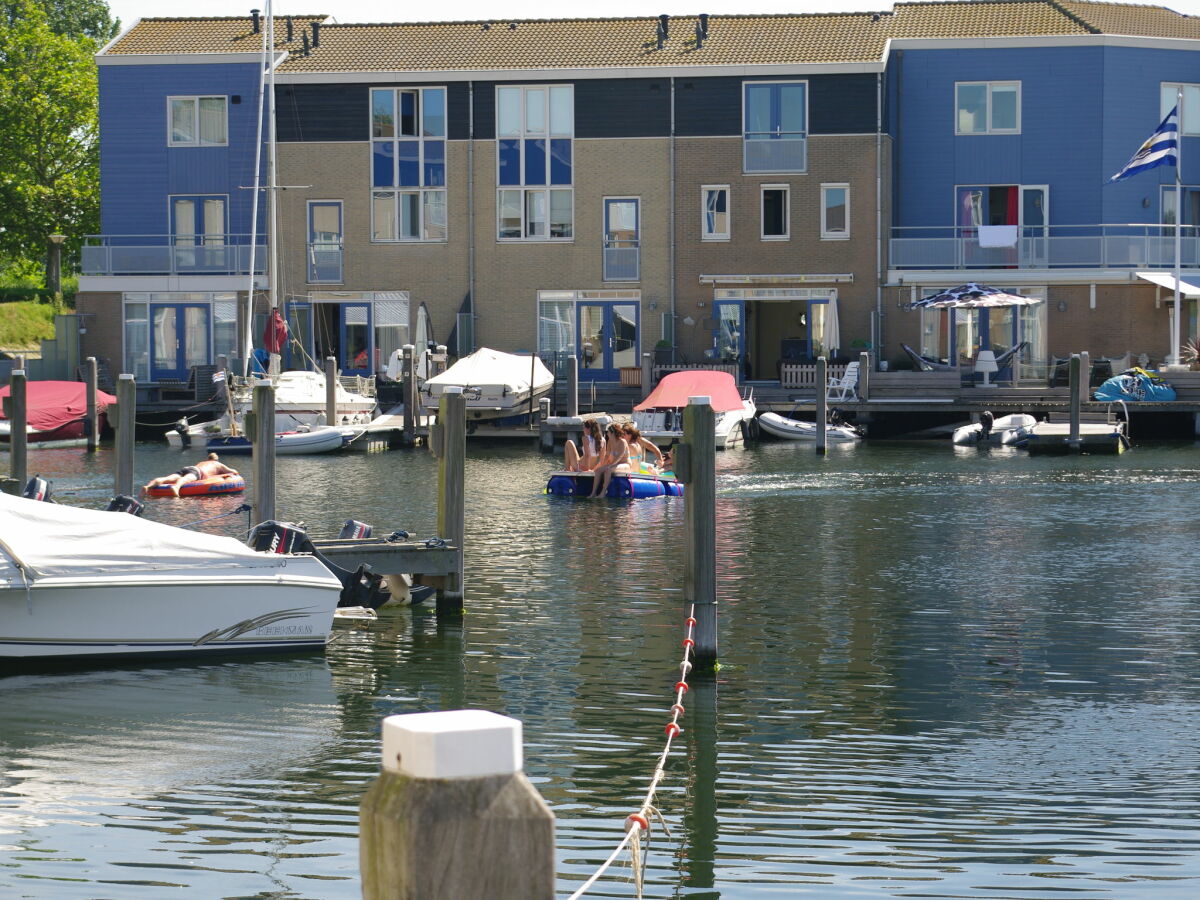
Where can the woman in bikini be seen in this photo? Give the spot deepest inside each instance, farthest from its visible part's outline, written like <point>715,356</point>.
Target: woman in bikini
<point>638,447</point>
<point>616,459</point>
<point>592,445</point>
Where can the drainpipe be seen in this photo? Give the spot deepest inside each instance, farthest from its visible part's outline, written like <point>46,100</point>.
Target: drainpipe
<point>471,207</point>
<point>671,144</point>
<point>878,215</point>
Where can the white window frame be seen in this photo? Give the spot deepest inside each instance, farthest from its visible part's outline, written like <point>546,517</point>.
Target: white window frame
<point>199,139</point>
<point>716,235</point>
<point>546,133</point>
<point>1189,124</point>
<point>828,234</point>
<point>787,212</point>
<point>989,127</point>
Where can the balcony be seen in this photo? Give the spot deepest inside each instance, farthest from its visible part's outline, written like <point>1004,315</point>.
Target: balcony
<point>1049,247</point>
<point>166,254</point>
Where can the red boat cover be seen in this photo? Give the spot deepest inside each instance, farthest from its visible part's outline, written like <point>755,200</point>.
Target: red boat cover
<point>52,404</point>
<point>674,390</point>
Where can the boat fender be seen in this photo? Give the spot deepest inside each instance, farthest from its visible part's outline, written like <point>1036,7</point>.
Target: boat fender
<point>38,488</point>
<point>278,537</point>
<point>126,504</point>
<point>355,530</point>
<point>986,419</point>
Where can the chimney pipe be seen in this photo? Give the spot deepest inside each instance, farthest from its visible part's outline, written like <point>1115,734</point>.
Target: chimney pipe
<point>289,29</point>
<point>664,24</point>
<point>704,25</point>
<point>254,21</point>
<point>699,36</point>
<point>304,45</point>
<point>316,27</point>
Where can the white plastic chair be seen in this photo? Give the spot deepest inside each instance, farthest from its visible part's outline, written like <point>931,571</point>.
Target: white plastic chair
<point>845,387</point>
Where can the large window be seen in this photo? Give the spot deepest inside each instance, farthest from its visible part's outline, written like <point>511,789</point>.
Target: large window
<point>835,212</point>
<point>987,107</point>
<point>168,333</point>
<point>775,126</point>
<point>408,164</point>
<point>197,122</point>
<point>714,212</point>
<point>775,209</point>
<point>1190,114</point>
<point>534,162</point>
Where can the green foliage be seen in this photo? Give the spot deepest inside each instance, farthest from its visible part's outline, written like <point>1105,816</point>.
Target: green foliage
<point>23,324</point>
<point>73,18</point>
<point>49,157</point>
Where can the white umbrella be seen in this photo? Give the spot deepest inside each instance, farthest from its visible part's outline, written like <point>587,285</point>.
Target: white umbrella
<point>831,339</point>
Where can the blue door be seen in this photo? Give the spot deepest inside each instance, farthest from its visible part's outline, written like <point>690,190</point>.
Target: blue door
<point>179,339</point>
<point>355,333</point>
<point>607,332</point>
<point>729,333</point>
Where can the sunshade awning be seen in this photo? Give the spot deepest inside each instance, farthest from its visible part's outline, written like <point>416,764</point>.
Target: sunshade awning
<point>1162,279</point>
<point>675,389</point>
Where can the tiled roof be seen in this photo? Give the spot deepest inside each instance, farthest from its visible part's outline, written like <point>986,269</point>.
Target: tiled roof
<point>582,43</point>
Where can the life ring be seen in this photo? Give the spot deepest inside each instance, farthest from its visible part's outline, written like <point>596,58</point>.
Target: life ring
<point>205,487</point>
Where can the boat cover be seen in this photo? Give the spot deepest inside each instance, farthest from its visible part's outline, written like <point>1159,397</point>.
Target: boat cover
<point>301,387</point>
<point>673,391</point>
<point>487,368</point>
<point>52,404</point>
<point>50,540</point>
<point>1134,385</point>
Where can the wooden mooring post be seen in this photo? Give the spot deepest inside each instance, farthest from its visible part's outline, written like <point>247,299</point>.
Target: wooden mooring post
<point>452,816</point>
<point>263,450</point>
<point>91,421</point>
<point>331,385</point>
<point>822,402</point>
<point>1076,393</point>
<point>125,436</point>
<point>699,474</point>
<point>18,419</point>
<point>409,387</point>
<point>572,385</point>
<point>450,446</point>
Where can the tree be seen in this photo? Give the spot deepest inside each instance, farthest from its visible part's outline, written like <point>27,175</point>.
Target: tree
<point>72,18</point>
<point>49,157</point>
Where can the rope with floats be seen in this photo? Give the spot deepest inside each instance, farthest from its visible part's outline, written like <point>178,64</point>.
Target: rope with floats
<point>637,824</point>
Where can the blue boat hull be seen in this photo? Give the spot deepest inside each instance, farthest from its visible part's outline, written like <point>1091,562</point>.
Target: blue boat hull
<point>624,487</point>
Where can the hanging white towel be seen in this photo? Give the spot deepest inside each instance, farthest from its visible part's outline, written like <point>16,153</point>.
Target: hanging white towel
<point>997,235</point>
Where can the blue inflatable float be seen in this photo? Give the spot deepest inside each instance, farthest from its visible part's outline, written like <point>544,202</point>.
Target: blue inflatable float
<point>628,487</point>
<point>1134,386</point>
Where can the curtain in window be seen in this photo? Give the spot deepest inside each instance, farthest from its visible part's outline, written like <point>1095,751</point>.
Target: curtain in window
<point>212,120</point>
<point>391,323</point>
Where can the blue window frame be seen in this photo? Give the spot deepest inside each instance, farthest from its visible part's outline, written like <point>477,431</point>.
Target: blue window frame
<point>775,126</point>
<point>408,164</point>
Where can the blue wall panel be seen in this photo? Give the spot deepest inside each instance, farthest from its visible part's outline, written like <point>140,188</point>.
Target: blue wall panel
<point>138,171</point>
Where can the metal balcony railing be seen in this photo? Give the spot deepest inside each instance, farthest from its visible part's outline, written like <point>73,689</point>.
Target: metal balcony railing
<point>621,261</point>
<point>168,254</point>
<point>1136,246</point>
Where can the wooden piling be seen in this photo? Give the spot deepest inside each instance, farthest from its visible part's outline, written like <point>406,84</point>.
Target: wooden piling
<point>864,375</point>
<point>822,403</point>
<point>263,449</point>
<point>91,422</point>
<point>1076,393</point>
<point>452,452</point>
<point>409,390</point>
<point>572,385</point>
<point>700,510</point>
<point>647,374</point>
<point>126,415</point>
<point>452,814</point>
<point>331,383</point>
<point>18,419</point>
<point>440,360</point>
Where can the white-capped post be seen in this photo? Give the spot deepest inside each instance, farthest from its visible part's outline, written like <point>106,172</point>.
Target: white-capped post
<point>452,424</point>
<point>700,508</point>
<point>452,815</point>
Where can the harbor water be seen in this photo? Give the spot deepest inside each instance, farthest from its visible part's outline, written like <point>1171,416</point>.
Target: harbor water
<point>946,673</point>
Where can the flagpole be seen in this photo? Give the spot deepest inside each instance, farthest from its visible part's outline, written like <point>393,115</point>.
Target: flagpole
<point>1175,328</point>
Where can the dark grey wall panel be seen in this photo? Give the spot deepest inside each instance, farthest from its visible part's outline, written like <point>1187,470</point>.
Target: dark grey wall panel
<point>625,107</point>
<point>837,104</point>
<point>341,112</point>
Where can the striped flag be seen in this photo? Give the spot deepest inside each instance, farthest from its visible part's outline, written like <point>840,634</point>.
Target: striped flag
<point>1160,149</point>
<point>218,375</point>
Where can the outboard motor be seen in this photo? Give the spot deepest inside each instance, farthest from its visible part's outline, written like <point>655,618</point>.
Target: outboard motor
<point>279,537</point>
<point>355,530</point>
<point>181,428</point>
<point>986,419</point>
<point>126,504</point>
<point>38,488</point>
<point>359,588</point>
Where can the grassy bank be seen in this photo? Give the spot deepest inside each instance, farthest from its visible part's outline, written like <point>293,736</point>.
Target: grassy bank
<point>24,323</point>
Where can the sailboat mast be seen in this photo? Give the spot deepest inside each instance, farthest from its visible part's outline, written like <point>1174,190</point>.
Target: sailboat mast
<point>246,341</point>
<point>272,166</point>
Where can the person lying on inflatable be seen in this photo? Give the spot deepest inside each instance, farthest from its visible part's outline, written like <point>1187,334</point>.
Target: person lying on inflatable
<point>1134,385</point>
<point>206,468</point>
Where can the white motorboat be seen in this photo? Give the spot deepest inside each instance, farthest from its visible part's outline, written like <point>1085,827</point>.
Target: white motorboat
<point>799,430</point>
<point>84,584</point>
<point>1005,430</point>
<point>496,385</point>
<point>660,416</point>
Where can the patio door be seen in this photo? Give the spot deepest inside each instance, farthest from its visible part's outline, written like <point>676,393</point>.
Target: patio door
<point>1035,217</point>
<point>729,333</point>
<point>355,332</point>
<point>179,339</point>
<point>607,333</point>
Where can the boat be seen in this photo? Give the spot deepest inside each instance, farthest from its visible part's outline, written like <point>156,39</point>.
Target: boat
<point>496,385</point>
<point>54,413</point>
<point>1007,430</point>
<point>660,416</point>
<point>205,487</point>
<point>790,429</point>
<point>628,486</point>
<point>81,584</point>
<point>1052,438</point>
<point>215,438</point>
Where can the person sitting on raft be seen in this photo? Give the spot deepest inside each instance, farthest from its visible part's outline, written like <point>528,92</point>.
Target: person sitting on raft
<point>638,446</point>
<point>616,459</point>
<point>206,468</point>
<point>592,446</point>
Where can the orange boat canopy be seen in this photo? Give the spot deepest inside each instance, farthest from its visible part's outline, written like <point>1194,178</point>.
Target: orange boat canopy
<point>673,391</point>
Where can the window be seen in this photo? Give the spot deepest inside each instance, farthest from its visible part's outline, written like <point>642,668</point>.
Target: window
<point>835,212</point>
<point>408,164</point>
<point>166,334</point>
<point>1191,205</point>
<point>775,212</point>
<point>1190,120</point>
<point>621,244</point>
<point>983,107</point>
<point>774,126</point>
<point>197,122</point>
<point>534,162</point>
<point>324,241</point>
<point>714,212</point>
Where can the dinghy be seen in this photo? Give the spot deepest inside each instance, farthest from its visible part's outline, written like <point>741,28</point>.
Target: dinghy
<point>1007,430</point>
<point>798,430</point>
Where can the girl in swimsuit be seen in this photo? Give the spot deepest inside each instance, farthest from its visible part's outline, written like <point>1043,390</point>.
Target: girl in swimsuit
<point>592,446</point>
<point>616,459</point>
<point>638,446</point>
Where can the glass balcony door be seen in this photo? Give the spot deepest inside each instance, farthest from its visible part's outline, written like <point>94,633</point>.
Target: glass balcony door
<point>608,339</point>
<point>179,339</point>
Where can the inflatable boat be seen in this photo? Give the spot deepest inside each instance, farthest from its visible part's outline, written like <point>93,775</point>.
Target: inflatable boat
<point>205,487</point>
<point>634,486</point>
